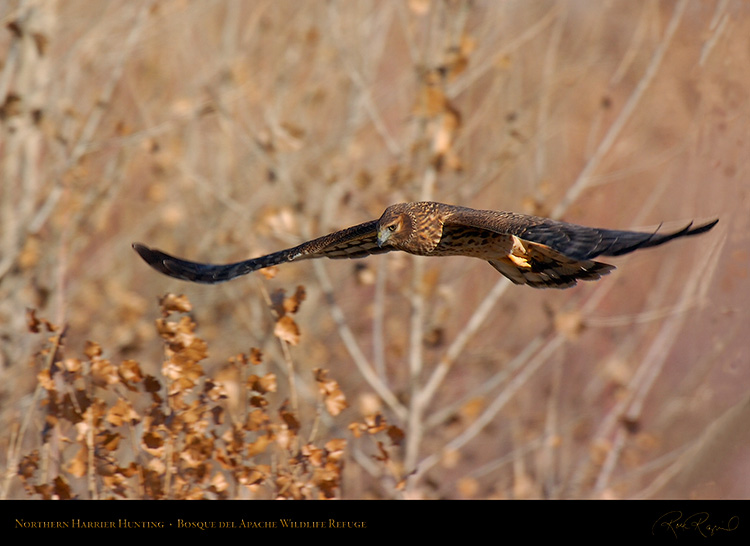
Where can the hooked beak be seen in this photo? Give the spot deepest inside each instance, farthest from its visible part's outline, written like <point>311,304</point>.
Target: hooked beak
<point>383,235</point>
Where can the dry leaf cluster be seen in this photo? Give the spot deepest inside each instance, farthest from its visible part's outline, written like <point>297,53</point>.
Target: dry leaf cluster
<point>129,434</point>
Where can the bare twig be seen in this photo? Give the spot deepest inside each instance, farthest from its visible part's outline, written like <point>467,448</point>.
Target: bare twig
<point>582,181</point>
<point>15,447</point>
<point>651,367</point>
<point>350,342</point>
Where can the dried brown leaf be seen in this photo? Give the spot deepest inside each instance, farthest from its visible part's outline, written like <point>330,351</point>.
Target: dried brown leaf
<point>45,380</point>
<point>153,443</point>
<point>130,372</point>
<point>264,384</point>
<point>92,350</point>
<point>33,323</point>
<point>256,356</point>
<point>254,475</point>
<point>215,391</point>
<point>375,423</point>
<point>569,323</point>
<point>108,440</point>
<point>396,435</point>
<point>383,456</point>
<point>287,330</point>
<point>71,365</point>
<point>333,397</point>
<point>259,446</point>
<point>104,373</point>
<point>356,429</point>
<point>335,448</point>
<point>314,454</point>
<point>122,412</point>
<point>62,489</point>
<point>78,464</point>
<point>256,420</point>
<point>258,402</point>
<point>292,303</point>
<point>269,272</point>
<point>289,418</point>
<point>171,303</point>
<point>28,465</point>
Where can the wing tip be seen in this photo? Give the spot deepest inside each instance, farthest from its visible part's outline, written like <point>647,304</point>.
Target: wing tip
<point>704,227</point>
<point>656,239</point>
<point>154,258</point>
<point>143,251</point>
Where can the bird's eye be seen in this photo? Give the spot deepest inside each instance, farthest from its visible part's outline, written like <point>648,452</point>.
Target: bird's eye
<point>392,227</point>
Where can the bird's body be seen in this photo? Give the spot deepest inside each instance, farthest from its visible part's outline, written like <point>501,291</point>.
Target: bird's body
<point>531,250</point>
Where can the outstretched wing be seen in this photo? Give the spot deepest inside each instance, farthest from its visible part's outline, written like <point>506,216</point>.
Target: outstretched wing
<point>571,240</point>
<point>551,254</point>
<point>354,242</point>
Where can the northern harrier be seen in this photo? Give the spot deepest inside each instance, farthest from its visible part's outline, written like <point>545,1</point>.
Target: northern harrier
<point>540,252</point>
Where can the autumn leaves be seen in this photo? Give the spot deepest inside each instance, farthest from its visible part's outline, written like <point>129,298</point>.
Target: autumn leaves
<point>180,433</point>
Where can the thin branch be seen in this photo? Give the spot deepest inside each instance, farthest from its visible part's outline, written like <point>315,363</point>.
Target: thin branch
<point>364,89</point>
<point>15,447</point>
<point>504,374</point>
<point>651,367</point>
<point>717,27</point>
<point>477,319</point>
<point>350,342</point>
<point>609,139</point>
<point>489,414</point>
<point>378,318</point>
<point>415,428</point>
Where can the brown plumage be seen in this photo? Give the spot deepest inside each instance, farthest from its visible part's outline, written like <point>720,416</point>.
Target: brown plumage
<point>540,252</point>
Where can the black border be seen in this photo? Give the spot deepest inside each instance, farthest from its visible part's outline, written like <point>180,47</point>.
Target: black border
<point>672,522</point>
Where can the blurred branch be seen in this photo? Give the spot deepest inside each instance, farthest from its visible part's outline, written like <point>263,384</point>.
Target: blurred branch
<point>23,98</point>
<point>350,342</point>
<point>362,86</point>
<point>530,32</point>
<point>724,441</point>
<point>543,112</point>
<point>716,27</point>
<point>488,415</point>
<point>455,349</point>
<point>528,362</point>
<point>501,376</point>
<point>101,104</point>
<point>14,448</point>
<point>581,183</point>
<point>378,317</point>
<point>651,367</point>
<point>415,426</point>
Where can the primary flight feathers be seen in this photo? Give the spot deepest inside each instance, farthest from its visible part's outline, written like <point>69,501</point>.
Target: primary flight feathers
<point>540,252</point>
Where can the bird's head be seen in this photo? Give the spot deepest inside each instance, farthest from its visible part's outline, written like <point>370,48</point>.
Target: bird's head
<point>410,227</point>
<point>394,226</point>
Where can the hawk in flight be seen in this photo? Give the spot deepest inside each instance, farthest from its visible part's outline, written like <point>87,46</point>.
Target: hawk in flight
<point>540,252</point>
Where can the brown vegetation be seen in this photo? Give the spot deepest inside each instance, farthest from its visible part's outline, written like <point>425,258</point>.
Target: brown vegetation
<point>223,130</point>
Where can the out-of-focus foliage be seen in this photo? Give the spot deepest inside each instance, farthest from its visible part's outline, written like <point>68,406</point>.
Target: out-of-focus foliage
<point>175,429</point>
<point>223,130</point>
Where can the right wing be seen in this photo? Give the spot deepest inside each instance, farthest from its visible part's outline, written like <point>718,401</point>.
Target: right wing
<point>354,242</point>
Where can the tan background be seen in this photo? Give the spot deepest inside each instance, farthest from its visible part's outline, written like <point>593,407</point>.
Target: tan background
<point>221,130</point>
